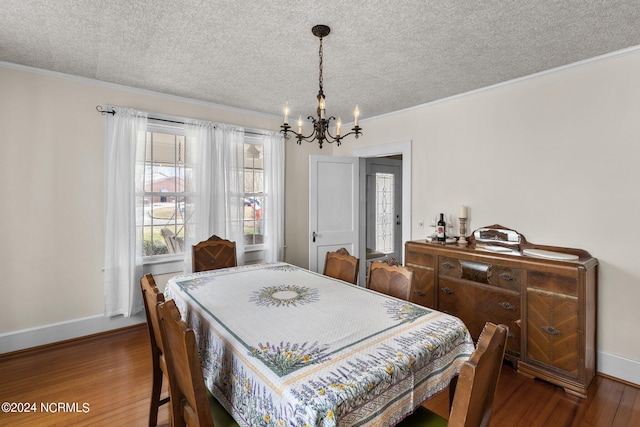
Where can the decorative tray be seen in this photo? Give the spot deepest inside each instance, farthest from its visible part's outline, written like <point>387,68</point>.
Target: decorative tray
<point>541,253</point>
<point>449,241</point>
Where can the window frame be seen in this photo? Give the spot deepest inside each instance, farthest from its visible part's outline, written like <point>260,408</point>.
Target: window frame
<point>164,263</point>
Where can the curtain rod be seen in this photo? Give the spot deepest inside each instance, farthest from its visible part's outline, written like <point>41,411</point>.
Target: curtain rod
<point>103,112</point>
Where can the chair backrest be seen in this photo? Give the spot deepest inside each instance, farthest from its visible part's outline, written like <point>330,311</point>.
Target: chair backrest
<point>189,401</point>
<point>214,253</point>
<point>341,265</point>
<point>152,297</point>
<point>390,278</point>
<point>478,379</point>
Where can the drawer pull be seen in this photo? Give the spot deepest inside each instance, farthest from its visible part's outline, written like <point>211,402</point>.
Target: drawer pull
<point>419,293</point>
<point>507,277</point>
<point>551,330</point>
<point>448,265</point>
<point>447,291</point>
<point>507,306</point>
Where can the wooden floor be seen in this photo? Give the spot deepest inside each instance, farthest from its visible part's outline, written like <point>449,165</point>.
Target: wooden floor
<point>106,381</point>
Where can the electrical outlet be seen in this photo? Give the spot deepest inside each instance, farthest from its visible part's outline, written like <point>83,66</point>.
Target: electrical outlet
<point>421,223</point>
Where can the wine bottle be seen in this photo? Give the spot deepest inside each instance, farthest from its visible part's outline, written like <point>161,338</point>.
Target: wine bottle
<point>440,229</point>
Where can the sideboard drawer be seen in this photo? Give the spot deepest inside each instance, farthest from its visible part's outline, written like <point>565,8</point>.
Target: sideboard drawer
<point>449,267</point>
<point>416,256</point>
<point>551,282</point>
<point>505,277</point>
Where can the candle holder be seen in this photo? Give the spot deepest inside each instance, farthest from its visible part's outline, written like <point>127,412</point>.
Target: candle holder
<point>463,231</point>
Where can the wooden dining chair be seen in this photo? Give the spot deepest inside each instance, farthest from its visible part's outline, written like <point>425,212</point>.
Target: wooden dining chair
<point>342,265</point>
<point>152,297</point>
<point>390,278</point>
<point>476,386</point>
<point>191,402</point>
<point>213,253</point>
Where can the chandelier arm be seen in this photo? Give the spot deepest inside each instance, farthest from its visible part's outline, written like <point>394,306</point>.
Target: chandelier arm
<point>299,136</point>
<point>355,131</point>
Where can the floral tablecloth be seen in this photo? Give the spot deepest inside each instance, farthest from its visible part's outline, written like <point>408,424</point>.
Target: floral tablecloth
<point>284,346</point>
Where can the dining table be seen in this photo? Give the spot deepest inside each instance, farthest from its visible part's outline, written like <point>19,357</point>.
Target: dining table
<point>281,345</point>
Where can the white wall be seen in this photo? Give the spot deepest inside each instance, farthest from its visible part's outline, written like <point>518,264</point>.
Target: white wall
<point>555,157</point>
<point>52,190</point>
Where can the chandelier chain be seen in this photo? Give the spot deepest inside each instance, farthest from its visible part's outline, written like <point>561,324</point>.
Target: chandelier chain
<point>320,55</point>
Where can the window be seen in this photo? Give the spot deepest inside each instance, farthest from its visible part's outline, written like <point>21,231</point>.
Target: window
<point>157,172</point>
<point>166,179</point>
<point>254,196</point>
<point>166,200</point>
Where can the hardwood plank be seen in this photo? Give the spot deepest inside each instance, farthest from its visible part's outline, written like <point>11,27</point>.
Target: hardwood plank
<point>629,411</point>
<point>112,373</point>
<point>522,401</point>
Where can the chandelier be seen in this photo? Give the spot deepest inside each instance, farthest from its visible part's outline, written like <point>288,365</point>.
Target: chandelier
<point>321,125</point>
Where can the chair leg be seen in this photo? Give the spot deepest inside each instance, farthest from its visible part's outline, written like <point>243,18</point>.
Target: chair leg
<point>452,390</point>
<point>156,389</point>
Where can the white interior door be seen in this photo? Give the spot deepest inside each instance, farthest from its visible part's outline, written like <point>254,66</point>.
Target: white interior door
<point>333,207</point>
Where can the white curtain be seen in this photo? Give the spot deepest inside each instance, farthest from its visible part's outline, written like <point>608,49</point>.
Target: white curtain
<point>274,190</point>
<point>125,143</point>
<point>216,153</point>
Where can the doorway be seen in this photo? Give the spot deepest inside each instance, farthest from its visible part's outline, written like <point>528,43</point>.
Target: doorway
<point>400,151</point>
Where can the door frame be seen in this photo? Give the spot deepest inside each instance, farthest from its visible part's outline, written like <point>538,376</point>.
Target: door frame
<point>402,148</point>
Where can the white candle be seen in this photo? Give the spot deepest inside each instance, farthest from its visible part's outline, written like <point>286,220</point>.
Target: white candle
<point>300,125</point>
<point>463,212</point>
<point>338,124</point>
<point>286,113</point>
<point>356,114</point>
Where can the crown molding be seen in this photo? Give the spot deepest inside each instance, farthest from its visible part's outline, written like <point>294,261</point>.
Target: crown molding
<point>109,85</point>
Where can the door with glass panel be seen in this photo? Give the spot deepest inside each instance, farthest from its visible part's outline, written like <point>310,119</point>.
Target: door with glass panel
<point>384,208</point>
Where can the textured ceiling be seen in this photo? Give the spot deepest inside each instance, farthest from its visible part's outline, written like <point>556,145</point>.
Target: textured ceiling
<point>255,55</point>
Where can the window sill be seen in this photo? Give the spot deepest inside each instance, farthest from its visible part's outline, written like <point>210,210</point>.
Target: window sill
<point>164,265</point>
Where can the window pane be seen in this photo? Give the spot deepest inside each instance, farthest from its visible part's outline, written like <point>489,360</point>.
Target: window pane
<point>384,212</point>
<point>165,181</point>
<point>254,194</point>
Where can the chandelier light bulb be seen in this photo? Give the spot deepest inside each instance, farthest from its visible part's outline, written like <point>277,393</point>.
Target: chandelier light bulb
<point>286,113</point>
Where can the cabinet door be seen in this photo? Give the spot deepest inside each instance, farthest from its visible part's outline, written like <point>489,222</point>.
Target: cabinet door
<point>552,330</point>
<point>422,287</point>
<point>458,299</point>
<point>421,261</point>
<point>500,307</point>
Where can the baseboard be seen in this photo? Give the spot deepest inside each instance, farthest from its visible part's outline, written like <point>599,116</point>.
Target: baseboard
<point>35,337</point>
<point>619,367</point>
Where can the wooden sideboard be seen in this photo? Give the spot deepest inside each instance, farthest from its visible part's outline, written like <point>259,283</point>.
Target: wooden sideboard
<point>549,305</point>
